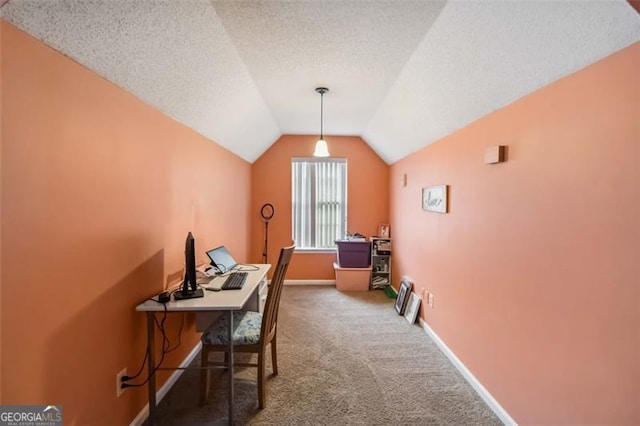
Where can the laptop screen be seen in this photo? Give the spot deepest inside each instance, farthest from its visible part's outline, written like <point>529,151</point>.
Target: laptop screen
<point>221,259</point>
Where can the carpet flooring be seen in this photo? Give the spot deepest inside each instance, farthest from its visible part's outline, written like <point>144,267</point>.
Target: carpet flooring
<point>344,358</point>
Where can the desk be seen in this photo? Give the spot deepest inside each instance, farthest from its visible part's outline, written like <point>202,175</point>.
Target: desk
<point>225,300</point>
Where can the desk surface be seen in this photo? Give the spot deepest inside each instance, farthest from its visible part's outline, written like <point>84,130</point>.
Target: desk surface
<point>214,300</point>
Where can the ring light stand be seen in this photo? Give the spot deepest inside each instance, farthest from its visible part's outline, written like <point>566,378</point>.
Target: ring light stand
<point>267,211</point>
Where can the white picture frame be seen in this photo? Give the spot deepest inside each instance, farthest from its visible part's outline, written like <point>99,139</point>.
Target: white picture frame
<point>411,310</point>
<point>435,198</point>
<point>383,230</point>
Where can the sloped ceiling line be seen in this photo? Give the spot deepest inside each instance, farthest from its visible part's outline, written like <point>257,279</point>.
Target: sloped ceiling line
<point>402,74</point>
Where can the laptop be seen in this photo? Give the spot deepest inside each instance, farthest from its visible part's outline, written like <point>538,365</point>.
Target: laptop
<point>222,259</point>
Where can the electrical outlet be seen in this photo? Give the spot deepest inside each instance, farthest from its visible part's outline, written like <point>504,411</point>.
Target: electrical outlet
<point>119,382</point>
<point>430,298</point>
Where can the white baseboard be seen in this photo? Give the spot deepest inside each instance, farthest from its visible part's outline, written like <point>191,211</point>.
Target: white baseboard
<point>162,392</point>
<point>310,282</point>
<point>484,394</point>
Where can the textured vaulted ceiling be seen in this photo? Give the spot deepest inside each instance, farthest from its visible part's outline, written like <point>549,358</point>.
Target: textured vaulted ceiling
<point>401,74</point>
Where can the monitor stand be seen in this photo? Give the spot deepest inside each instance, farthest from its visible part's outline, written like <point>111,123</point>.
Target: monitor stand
<point>179,295</point>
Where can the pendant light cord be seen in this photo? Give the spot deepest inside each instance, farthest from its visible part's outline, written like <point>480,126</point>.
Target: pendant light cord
<point>322,91</point>
<point>321,112</point>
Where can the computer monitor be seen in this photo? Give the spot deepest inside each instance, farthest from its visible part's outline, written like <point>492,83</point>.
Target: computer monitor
<point>189,288</point>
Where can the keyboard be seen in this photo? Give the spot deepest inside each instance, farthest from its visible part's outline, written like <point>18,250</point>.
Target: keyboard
<point>235,281</point>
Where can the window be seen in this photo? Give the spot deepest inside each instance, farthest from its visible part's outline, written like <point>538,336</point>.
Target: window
<point>319,201</point>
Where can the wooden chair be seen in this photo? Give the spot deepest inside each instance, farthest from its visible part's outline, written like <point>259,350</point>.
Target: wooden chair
<point>253,332</point>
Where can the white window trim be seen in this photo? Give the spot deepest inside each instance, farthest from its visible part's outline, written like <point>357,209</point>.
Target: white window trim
<point>309,234</point>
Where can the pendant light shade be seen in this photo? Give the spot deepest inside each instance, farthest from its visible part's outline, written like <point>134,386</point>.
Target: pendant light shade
<point>321,149</point>
<point>321,146</point>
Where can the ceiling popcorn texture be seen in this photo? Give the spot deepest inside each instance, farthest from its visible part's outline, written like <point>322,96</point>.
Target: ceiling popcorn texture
<point>401,74</point>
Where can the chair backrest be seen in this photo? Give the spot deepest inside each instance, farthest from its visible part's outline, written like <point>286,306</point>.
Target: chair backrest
<point>270,314</point>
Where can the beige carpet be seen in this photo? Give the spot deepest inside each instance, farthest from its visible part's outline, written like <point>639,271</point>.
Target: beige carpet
<point>343,359</point>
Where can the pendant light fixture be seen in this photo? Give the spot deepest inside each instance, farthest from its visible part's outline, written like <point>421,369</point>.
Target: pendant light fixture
<point>321,146</point>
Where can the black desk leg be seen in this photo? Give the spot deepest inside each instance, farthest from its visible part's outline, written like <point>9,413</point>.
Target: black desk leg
<point>151,385</point>
<point>231,362</point>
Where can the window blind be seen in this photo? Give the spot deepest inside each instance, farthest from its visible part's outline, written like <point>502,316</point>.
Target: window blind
<point>319,201</point>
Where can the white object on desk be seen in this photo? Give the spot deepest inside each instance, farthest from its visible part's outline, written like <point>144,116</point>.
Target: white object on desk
<point>207,270</point>
<point>215,285</point>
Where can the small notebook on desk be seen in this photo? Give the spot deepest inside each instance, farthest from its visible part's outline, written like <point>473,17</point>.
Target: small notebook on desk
<point>214,285</point>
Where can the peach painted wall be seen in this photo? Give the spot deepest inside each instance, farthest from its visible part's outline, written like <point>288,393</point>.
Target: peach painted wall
<point>535,269</point>
<point>367,198</point>
<point>1,326</point>
<point>98,193</point>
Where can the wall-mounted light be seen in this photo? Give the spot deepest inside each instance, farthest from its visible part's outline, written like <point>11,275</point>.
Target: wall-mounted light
<point>495,154</point>
<point>321,146</point>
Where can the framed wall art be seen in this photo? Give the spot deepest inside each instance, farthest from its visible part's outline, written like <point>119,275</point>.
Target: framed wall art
<point>383,230</point>
<point>435,198</point>
<point>411,311</point>
<point>403,294</point>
